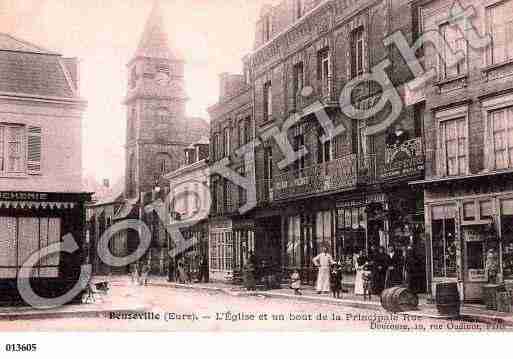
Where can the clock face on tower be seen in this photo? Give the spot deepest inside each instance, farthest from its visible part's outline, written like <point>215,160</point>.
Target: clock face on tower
<point>162,78</point>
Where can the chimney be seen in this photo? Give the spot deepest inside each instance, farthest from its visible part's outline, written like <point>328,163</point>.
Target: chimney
<point>224,79</point>
<point>106,183</point>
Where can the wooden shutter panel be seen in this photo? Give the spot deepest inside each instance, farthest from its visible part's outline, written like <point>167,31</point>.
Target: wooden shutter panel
<point>34,147</point>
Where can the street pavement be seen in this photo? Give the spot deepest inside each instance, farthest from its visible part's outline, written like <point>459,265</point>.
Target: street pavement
<point>177,309</point>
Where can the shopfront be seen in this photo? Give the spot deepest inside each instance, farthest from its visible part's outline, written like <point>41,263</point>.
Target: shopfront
<point>461,231</point>
<point>33,221</point>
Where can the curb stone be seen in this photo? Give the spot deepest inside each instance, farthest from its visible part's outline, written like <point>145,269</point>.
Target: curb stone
<point>465,315</point>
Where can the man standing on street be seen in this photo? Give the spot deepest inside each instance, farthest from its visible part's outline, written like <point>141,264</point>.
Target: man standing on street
<point>323,261</point>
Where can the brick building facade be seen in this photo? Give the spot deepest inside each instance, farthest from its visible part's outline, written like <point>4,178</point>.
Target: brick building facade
<point>348,193</point>
<point>469,148</point>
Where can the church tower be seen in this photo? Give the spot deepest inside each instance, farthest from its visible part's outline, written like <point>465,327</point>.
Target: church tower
<point>157,129</point>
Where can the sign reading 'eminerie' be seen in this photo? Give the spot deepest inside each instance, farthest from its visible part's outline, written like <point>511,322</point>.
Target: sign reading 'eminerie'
<point>23,196</point>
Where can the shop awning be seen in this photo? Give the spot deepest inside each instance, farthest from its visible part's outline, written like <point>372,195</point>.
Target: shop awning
<point>476,176</point>
<point>36,205</point>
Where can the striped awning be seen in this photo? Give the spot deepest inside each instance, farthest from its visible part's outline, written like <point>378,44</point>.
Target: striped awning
<point>36,205</point>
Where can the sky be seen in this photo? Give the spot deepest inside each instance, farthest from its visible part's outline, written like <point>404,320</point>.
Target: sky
<point>213,36</point>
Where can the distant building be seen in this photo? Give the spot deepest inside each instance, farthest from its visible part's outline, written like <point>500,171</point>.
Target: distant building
<point>189,191</point>
<point>232,236</point>
<point>41,198</point>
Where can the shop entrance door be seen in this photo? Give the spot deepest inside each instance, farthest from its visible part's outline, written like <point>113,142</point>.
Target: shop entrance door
<point>473,262</point>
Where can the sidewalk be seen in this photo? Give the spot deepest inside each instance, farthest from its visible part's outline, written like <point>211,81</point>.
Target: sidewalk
<point>468,312</point>
<point>121,298</point>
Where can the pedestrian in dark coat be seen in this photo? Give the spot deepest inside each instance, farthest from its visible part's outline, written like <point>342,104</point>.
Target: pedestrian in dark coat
<point>394,274</point>
<point>380,267</point>
<point>336,280</point>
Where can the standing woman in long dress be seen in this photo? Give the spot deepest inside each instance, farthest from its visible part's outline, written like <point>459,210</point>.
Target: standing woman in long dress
<point>323,261</point>
<point>360,262</point>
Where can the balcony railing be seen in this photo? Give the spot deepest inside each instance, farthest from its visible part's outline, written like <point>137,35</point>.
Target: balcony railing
<point>404,160</point>
<point>342,173</point>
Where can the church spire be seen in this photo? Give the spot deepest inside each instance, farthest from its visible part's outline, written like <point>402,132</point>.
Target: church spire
<point>154,40</point>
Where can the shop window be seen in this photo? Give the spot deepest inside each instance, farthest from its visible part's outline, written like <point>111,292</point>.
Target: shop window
<point>486,209</point>
<point>469,213</point>
<point>294,241</point>
<point>323,226</point>
<point>20,238</point>
<point>507,238</point>
<point>444,244</point>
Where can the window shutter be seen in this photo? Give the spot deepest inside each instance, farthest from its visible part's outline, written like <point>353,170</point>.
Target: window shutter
<point>34,147</point>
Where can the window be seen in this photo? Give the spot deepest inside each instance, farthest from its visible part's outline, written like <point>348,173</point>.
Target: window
<point>213,191</point>
<point>163,163</point>
<point>163,116</point>
<point>324,153</point>
<point>244,131</point>
<point>298,144</point>
<point>324,71</point>
<point>358,52</point>
<point>453,158</point>
<point>20,150</point>
<point>131,120</point>
<point>133,77</point>
<point>268,159</point>
<point>21,237</point>
<point>445,244</point>
<point>298,81</point>
<point>163,68</point>
<point>501,139</point>
<point>500,27</point>
<point>456,42</point>
<point>299,9</point>
<point>215,147</point>
<point>226,195</point>
<point>221,255</point>
<point>226,142</point>
<point>294,241</point>
<point>268,102</point>
<point>247,129</point>
<point>267,28</point>
<point>242,191</point>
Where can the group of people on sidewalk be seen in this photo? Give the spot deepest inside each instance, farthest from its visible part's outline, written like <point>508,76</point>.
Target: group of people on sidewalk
<point>183,272</point>
<point>375,271</point>
<point>139,273</point>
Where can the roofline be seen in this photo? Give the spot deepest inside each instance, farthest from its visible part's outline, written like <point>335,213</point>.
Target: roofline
<point>189,168</point>
<point>49,99</point>
<point>220,103</point>
<point>42,52</point>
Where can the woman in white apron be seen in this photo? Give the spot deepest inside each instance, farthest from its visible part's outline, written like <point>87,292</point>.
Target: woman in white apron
<point>359,262</point>
<point>323,261</point>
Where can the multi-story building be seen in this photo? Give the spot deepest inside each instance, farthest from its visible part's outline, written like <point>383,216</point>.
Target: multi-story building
<point>41,197</point>
<point>189,193</point>
<point>231,233</point>
<point>347,193</point>
<point>469,146</point>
